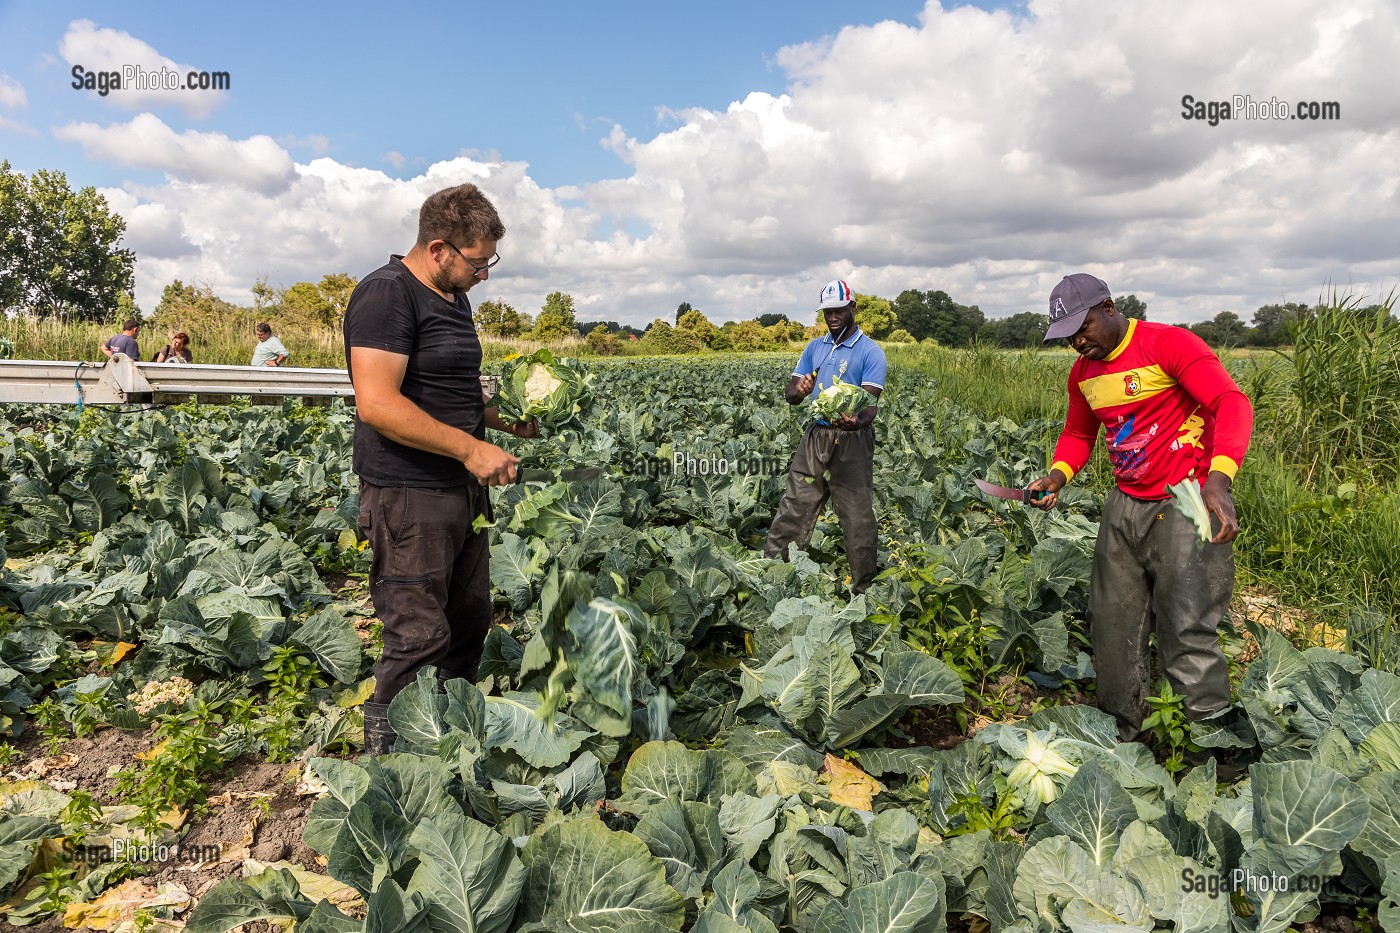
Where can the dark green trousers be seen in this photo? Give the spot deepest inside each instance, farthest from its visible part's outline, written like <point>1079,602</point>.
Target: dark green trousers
<point>1152,576</point>
<point>836,465</point>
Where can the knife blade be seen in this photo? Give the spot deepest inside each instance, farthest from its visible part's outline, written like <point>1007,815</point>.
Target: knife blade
<point>1006,492</point>
<point>581,475</point>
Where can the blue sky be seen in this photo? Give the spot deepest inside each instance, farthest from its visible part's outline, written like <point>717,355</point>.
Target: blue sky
<point>536,82</point>
<point>736,155</point>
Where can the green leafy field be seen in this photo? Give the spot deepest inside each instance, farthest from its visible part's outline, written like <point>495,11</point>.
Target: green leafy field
<point>671,732</point>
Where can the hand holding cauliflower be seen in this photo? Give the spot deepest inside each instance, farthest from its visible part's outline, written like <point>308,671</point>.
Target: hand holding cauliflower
<point>548,391</point>
<point>841,398</point>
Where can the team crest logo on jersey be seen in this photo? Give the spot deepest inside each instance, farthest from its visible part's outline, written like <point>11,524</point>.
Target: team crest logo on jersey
<point>1131,385</point>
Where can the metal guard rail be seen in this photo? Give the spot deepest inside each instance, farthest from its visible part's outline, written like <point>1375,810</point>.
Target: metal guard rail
<point>122,380</point>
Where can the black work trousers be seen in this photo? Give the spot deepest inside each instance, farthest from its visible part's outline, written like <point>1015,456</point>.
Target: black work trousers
<point>1153,576</point>
<point>430,580</point>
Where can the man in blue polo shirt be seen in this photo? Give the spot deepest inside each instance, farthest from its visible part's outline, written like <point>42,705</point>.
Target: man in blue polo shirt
<point>834,460</point>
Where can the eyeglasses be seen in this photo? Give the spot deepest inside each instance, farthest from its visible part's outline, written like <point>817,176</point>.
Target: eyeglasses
<point>477,268</point>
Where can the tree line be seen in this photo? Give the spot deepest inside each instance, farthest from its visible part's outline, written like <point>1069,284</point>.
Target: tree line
<point>61,258</point>
<point>60,253</point>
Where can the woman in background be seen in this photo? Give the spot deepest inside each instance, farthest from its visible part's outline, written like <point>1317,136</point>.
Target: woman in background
<point>177,350</point>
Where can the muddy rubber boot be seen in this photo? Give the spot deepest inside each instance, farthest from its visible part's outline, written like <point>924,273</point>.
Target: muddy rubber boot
<point>379,735</point>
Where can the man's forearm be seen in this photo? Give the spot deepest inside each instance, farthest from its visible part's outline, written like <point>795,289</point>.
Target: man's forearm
<point>405,423</point>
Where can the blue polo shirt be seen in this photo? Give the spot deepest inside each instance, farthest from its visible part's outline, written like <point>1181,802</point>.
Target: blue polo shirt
<point>857,359</point>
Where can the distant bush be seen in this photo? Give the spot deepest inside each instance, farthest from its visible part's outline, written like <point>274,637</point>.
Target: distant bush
<point>601,342</point>
<point>749,337</point>
<point>662,338</point>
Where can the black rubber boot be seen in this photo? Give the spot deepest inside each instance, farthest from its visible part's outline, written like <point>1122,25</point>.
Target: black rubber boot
<point>379,735</point>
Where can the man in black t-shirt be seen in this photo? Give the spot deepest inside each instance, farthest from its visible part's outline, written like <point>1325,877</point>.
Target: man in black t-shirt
<point>420,447</point>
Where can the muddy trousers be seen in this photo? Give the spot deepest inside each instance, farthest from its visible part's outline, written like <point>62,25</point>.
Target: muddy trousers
<point>835,464</point>
<point>430,580</point>
<point>1151,576</point>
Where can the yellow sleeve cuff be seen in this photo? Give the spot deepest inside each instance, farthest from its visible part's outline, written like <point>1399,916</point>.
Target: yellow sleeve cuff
<point>1068,470</point>
<point>1224,465</point>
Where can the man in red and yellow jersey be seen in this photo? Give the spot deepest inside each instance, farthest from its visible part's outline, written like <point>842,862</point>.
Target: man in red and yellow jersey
<point>1169,410</point>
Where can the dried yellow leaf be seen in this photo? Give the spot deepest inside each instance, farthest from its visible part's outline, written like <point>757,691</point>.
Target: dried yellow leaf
<point>849,785</point>
<point>354,695</point>
<point>153,753</point>
<point>314,886</point>
<point>120,904</point>
<point>9,789</point>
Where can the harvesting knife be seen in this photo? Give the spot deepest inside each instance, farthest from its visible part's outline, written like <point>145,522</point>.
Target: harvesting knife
<point>1005,492</point>
<point>582,475</point>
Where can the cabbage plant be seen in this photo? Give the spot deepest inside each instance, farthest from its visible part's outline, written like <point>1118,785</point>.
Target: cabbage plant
<point>1033,777</point>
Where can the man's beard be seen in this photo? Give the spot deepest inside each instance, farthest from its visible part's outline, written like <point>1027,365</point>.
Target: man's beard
<point>442,281</point>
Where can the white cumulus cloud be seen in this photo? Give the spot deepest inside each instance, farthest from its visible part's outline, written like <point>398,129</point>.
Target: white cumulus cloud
<point>258,162</point>
<point>12,96</point>
<point>98,49</point>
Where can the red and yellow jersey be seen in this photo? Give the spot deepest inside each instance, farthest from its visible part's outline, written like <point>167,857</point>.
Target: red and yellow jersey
<point>1167,406</point>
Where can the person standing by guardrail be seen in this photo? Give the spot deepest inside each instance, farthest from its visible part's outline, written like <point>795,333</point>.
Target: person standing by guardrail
<point>125,342</point>
<point>176,351</point>
<point>420,448</point>
<point>269,351</point>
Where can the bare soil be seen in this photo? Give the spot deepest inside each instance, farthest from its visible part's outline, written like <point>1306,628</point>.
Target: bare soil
<point>215,843</point>
<point>1303,627</point>
<point>84,762</point>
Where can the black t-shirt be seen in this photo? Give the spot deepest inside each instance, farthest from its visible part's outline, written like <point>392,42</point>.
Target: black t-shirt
<point>391,310</point>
